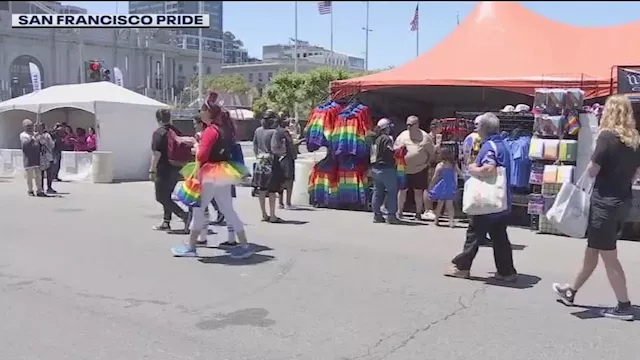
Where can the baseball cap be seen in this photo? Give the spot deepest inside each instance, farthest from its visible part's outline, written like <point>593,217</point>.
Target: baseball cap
<point>384,123</point>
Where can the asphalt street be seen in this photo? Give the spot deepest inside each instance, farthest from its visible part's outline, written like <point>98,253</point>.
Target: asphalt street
<point>83,276</point>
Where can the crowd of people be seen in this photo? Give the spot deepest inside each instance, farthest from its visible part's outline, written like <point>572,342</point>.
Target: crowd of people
<point>613,167</point>
<point>218,166</point>
<point>42,152</point>
<point>432,175</point>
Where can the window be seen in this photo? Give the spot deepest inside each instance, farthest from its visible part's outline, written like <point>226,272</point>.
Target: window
<point>269,76</point>
<point>179,67</point>
<point>195,68</point>
<point>208,70</point>
<point>259,77</point>
<point>250,77</point>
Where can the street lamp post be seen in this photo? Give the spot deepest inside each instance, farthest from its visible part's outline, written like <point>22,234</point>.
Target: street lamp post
<point>366,38</point>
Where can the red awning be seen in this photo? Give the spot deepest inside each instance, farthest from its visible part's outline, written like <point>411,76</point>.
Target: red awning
<point>504,45</point>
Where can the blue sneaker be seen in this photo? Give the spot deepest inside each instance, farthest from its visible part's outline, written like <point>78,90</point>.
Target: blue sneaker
<point>240,252</point>
<point>183,251</point>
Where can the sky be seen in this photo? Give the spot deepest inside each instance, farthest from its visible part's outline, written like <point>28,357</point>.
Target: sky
<point>391,43</point>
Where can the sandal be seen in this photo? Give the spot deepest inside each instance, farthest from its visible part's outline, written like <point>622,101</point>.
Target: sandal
<point>265,218</point>
<point>276,220</point>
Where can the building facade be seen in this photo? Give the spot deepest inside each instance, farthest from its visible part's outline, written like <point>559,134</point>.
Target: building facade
<point>312,53</point>
<point>150,63</point>
<point>26,7</point>
<point>188,38</point>
<point>280,57</point>
<point>260,73</point>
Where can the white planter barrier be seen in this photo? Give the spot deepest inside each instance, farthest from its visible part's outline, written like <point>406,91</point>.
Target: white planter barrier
<point>96,167</point>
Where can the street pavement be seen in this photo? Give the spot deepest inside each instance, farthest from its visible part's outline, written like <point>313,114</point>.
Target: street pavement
<point>83,276</point>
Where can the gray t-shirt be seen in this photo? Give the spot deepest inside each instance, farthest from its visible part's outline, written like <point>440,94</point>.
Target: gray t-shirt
<point>262,141</point>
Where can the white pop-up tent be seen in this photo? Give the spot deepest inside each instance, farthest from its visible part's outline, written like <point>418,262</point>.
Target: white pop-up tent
<point>124,120</point>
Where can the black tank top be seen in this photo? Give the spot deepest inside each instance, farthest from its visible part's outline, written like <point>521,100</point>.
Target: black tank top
<point>221,150</point>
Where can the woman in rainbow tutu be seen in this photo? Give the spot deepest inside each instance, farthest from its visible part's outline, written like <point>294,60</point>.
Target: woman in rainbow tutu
<point>211,177</point>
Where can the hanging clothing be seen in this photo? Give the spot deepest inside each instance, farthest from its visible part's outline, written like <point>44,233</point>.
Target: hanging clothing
<point>520,162</point>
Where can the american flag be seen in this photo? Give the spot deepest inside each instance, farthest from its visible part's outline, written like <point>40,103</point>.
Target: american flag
<point>415,22</point>
<point>324,7</point>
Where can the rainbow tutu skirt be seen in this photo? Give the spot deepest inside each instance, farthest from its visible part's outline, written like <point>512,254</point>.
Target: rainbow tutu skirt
<point>222,173</point>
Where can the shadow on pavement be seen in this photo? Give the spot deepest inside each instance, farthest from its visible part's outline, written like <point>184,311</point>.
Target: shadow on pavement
<point>525,281</point>
<point>595,312</point>
<point>226,260</point>
<point>289,222</point>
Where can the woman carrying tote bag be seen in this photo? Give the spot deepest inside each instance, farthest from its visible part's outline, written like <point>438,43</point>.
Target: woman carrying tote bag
<point>491,163</point>
<point>613,165</point>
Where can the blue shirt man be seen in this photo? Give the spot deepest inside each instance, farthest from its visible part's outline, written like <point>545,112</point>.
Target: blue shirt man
<point>500,157</point>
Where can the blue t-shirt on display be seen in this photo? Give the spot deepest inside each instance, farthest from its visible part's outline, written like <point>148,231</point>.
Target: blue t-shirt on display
<point>520,162</point>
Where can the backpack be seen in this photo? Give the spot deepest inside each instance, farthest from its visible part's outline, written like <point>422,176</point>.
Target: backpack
<point>179,153</point>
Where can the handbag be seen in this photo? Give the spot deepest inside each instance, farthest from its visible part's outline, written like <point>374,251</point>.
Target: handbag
<point>570,210</point>
<point>487,195</point>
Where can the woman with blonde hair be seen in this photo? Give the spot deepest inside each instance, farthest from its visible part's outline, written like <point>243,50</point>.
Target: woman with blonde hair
<point>613,165</point>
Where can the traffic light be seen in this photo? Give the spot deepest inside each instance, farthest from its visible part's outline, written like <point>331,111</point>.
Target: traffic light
<point>94,71</point>
<point>106,75</point>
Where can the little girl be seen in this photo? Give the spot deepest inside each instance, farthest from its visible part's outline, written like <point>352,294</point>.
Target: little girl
<point>445,180</point>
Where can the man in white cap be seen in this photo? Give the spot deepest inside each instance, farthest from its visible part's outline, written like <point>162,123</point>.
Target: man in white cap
<point>384,174</point>
<point>31,158</point>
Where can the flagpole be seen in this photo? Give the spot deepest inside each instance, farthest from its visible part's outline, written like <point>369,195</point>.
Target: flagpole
<point>366,39</point>
<point>200,65</point>
<point>295,52</point>
<point>332,34</point>
<point>418,31</point>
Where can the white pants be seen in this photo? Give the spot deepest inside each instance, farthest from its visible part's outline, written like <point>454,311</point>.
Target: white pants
<point>222,194</point>
<point>33,174</point>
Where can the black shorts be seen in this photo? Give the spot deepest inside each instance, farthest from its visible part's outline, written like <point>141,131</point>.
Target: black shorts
<point>606,217</point>
<point>419,181</point>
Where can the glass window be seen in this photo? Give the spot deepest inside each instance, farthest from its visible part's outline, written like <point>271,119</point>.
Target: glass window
<point>259,77</point>
<point>269,76</point>
<point>250,77</point>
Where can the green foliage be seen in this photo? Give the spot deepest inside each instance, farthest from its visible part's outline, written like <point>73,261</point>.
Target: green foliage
<point>307,90</point>
<point>233,84</point>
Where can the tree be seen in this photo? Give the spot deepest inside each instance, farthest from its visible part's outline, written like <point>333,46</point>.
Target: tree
<point>307,90</point>
<point>232,84</point>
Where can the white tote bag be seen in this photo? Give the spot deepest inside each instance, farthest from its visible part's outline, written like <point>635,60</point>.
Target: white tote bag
<point>570,211</point>
<point>487,195</point>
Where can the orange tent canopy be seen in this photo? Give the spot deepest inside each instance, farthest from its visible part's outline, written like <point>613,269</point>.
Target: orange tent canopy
<point>504,45</point>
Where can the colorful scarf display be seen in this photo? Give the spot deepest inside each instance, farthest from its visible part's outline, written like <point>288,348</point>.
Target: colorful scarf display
<point>401,166</point>
<point>319,128</point>
<point>572,126</point>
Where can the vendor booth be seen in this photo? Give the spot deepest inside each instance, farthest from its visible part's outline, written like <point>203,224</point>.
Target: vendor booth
<point>124,121</point>
<point>479,68</point>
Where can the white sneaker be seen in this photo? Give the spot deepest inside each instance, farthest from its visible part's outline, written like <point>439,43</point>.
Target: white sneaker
<point>428,216</point>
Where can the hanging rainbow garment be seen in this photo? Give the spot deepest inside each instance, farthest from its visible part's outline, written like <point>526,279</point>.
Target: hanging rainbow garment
<point>323,183</point>
<point>401,167</point>
<point>351,181</point>
<point>320,125</point>
<point>350,131</point>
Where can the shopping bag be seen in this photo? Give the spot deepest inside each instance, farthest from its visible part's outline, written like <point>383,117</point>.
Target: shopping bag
<point>487,195</point>
<point>570,210</point>
<point>189,191</point>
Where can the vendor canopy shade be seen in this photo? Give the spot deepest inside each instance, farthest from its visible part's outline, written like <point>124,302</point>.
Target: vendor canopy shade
<point>78,96</point>
<point>505,45</point>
